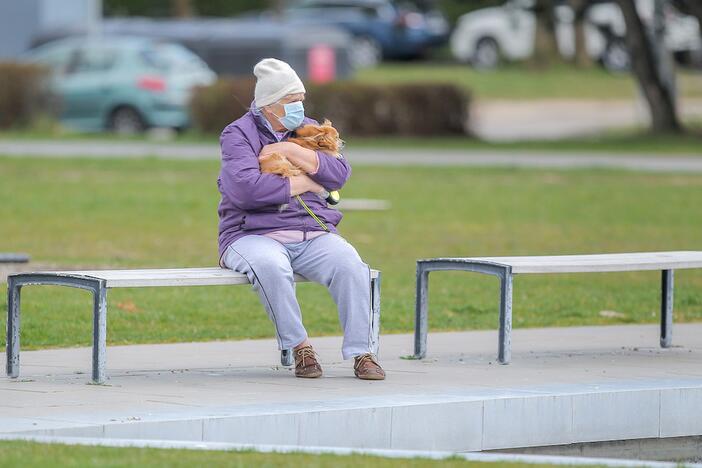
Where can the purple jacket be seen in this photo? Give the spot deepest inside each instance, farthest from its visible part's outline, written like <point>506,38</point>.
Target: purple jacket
<point>251,200</point>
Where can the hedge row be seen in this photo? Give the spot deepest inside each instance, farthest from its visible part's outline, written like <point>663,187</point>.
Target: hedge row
<point>355,109</point>
<point>23,94</point>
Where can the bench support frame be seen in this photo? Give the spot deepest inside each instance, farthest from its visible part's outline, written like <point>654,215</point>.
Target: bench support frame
<point>95,285</point>
<point>504,273</point>
<point>667,308</point>
<point>99,289</point>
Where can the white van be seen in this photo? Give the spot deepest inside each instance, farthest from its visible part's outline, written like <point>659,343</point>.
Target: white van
<point>485,36</point>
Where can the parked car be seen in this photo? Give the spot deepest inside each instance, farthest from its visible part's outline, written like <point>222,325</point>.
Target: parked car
<point>124,84</point>
<point>232,46</point>
<point>379,28</point>
<point>485,36</point>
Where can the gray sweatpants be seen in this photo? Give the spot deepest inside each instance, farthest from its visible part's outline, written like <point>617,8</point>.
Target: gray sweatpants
<point>329,260</point>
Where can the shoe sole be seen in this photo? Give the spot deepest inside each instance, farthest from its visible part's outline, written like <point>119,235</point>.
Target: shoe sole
<point>309,376</point>
<point>371,377</point>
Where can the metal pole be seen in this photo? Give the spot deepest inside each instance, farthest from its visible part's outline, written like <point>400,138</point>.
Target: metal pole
<point>286,357</point>
<point>421,313</point>
<point>375,317</point>
<point>99,333</point>
<point>666,308</point>
<point>504,351</point>
<point>13,328</point>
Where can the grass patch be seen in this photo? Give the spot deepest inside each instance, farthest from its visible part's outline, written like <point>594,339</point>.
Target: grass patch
<point>28,454</point>
<point>520,82</point>
<point>152,213</point>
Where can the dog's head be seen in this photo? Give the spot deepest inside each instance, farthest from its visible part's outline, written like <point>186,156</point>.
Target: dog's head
<point>323,137</point>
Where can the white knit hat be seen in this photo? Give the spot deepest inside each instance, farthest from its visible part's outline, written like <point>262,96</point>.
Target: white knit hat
<point>275,79</point>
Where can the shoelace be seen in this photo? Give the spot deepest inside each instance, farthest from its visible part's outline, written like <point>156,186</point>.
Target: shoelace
<point>363,358</point>
<point>305,353</point>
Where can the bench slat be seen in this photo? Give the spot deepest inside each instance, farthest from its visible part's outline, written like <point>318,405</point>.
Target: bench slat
<point>209,276</point>
<point>636,261</point>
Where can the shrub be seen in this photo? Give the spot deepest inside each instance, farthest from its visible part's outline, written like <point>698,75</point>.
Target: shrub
<point>355,109</point>
<point>23,94</point>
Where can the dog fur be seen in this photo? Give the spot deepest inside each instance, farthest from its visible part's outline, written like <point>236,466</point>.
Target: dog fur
<point>322,137</point>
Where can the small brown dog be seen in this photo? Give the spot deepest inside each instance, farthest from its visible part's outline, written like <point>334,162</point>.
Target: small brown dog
<point>322,137</point>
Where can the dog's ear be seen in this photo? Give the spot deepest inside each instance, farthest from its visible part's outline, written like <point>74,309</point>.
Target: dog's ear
<point>307,130</point>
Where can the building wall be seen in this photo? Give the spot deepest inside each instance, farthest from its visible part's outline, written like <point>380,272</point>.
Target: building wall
<point>21,20</point>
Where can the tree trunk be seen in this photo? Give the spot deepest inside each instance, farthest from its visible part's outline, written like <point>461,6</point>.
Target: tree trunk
<point>182,8</point>
<point>644,64</point>
<point>581,58</point>
<point>545,44</point>
<point>276,6</point>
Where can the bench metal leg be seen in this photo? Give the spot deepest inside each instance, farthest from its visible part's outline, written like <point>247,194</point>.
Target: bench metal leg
<point>99,334</point>
<point>375,314</point>
<point>97,286</point>
<point>286,357</point>
<point>421,323</point>
<point>504,350</point>
<point>666,308</point>
<point>504,272</point>
<point>13,328</point>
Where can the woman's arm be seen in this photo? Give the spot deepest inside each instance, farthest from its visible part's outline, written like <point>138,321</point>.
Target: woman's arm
<point>326,170</point>
<point>302,183</point>
<point>305,159</point>
<point>241,177</point>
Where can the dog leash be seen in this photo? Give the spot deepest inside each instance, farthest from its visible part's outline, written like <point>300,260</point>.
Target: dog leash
<point>311,213</point>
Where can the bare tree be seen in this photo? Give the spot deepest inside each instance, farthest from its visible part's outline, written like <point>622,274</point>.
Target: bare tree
<point>581,57</point>
<point>545,44</point>
<point>182,8</point>
<point>645,67</point>
<point>276,6</point>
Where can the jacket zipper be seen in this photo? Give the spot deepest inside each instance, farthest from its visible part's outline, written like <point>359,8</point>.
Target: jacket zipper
<point>302,218</point>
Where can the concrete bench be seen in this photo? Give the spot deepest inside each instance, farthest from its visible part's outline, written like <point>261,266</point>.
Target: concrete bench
<point>506,267</point>
<point>99,281</point>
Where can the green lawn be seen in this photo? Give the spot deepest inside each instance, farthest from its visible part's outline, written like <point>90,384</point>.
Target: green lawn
<point>150,213</point>
<point>28,455</point>
<point>521,82</point>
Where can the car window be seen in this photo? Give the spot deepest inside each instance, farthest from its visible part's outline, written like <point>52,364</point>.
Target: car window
<point>167,57</point>
<point>334,11</point>
<point>55,58</point>
<point>92,59</point>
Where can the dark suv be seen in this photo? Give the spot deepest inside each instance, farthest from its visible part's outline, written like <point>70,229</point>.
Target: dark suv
<point>380,28</point>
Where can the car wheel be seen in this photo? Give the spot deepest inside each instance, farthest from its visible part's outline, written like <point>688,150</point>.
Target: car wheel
<point>126,121</point>
<point>615,57</point>
<point>365,52</point>
<point>487,54</point>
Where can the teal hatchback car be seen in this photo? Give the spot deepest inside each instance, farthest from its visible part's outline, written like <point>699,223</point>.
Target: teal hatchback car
<point>122,84</point>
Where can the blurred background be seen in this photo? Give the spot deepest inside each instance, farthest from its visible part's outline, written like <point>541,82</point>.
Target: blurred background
<point>493,70</point>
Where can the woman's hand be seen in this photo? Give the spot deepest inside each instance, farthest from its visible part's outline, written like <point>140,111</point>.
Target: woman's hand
<point>305,159</point>
<point>302,183</point>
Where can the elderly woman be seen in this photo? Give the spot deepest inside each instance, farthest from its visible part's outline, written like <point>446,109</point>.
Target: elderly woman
<point>265,233</point>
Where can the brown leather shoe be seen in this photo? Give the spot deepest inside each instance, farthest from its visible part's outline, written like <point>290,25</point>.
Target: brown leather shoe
<point>306,364</point>
<point>366,367</point>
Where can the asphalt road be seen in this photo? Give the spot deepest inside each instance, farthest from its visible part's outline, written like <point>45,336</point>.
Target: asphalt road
<point>419,157</point>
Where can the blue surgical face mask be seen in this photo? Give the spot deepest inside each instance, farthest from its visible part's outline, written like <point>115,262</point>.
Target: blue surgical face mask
<point>294,115</point>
